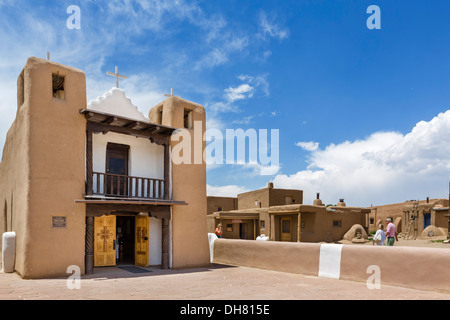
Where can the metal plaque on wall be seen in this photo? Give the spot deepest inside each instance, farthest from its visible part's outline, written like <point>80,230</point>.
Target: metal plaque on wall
<point>59,222</point>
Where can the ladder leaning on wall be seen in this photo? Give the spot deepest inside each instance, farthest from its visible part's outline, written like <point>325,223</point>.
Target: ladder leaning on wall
<point>411,222</point>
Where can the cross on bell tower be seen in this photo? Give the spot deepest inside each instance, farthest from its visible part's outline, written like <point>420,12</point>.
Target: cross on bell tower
<point>117,76</point>
<point>171,93</point>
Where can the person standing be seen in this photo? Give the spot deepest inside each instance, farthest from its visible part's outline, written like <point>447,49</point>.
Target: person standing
<point>380,236</point>
<point>391,233</point>
<point>219,231</point>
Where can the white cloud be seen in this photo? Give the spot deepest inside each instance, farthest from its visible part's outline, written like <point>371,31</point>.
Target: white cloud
<point>244,91</point>
<point>271,29</point>
<point>225,191</point>
<point>308,146</point>
<point>386,167</point>
<point>263,170</point>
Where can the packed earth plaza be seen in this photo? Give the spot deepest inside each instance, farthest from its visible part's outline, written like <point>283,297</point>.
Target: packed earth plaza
<point>94,207</point>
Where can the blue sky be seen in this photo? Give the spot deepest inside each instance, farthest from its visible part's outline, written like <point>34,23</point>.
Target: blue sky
<point>361,113</point>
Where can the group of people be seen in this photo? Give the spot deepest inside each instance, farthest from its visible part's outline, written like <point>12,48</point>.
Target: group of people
<point>387,237</point>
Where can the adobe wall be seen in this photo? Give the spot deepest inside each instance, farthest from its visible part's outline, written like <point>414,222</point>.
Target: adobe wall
<point>324,229</point>
<point>14,178</point>
<point>226,203</point>
<point>270,255</point>
<point>267,197</point>
<point>43,171</point>
<point>417,268</point>
<point>247,200</point>
<point>277,197</point>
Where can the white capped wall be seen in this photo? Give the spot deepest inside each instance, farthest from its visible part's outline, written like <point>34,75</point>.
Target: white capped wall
<point>146,159</point>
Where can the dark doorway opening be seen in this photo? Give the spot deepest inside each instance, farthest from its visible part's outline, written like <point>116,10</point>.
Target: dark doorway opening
<point>243,231</point>
<point>426,220</point>
<point>125,240</point>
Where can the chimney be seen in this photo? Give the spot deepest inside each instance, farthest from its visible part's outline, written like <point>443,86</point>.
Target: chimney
<point>317,202</point>
<point>270,185</point>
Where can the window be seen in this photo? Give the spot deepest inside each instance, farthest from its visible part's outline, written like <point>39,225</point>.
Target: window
<point>337,223</point>
<point>188,119</point>
<point>160,116</point>
<point>219,209</point>
<point>58,86</point>
<point>263,224</point>
<point>372,220</point>
<point>229,228</point>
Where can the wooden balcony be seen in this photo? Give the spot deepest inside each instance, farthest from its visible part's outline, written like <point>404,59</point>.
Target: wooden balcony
<point>126,187</point>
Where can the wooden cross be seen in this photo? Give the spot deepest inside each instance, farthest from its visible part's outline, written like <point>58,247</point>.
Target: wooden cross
<point>105,235</point>
<point>171,93</point>
<point>117,76</point>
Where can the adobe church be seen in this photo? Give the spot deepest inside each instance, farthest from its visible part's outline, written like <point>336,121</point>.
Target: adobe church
<point>93,184</point>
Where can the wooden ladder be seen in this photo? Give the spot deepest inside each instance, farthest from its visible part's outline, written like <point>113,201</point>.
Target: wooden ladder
<point>408,229</point>
<point>411,221</point>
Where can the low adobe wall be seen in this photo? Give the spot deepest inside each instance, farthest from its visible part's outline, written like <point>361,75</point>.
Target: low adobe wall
<point>418,268</point>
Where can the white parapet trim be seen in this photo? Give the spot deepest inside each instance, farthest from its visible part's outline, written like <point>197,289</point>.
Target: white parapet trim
<point>8,252</point>
<point>330,261</point>
<point>211,238</point>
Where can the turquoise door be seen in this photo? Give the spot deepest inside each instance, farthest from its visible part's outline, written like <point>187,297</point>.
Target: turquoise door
<point>426,220</point>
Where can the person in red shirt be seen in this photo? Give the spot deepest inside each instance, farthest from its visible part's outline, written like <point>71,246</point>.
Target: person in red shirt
<point>219,231</point>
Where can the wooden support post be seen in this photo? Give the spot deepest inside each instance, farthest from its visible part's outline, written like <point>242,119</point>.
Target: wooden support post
<point>89,163</point>
<point>299,227</point>
<point>89,245</point>
<point>167,171</point>
<point>165,244</point>
<point>270,228</point>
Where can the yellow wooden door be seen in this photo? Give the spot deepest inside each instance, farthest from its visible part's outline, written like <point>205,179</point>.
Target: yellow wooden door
<point>105,240</point>
<point>141,246</point>
<point>286,229</point>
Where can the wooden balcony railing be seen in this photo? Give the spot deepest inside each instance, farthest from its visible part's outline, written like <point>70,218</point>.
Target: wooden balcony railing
<point>116,185</point>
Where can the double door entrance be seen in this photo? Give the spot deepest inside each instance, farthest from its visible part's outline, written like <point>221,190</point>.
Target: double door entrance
<point>121,240</point>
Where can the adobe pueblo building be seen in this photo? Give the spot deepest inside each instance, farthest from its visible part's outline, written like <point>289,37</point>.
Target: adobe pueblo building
<point>280,215</point>
<point>93,184</point>
<point>424,219</point>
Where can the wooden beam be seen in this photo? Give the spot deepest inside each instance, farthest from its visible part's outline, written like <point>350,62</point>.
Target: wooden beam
<point>96,210</point>
<point>110,120</point>
<point>104,128</point>
<point>89,115</point>
<point>132,125</point>
<point>155,129</point>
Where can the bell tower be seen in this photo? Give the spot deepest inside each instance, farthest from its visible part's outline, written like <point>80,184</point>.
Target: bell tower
<point>51,96</point>
<point>189,233</point>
